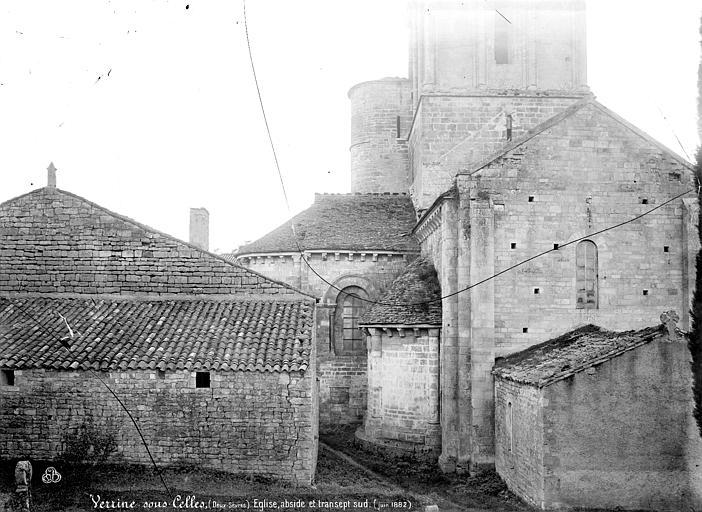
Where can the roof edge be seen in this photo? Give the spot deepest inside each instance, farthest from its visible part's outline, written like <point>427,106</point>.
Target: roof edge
<point>657,333</point>
<point>537,130</point>
<point>145,227</point>
<point>402,326</point>
<point>638,131</point>
<point>213,297</point>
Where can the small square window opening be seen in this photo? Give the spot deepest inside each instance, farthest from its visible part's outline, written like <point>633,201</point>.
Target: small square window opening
<point>202,379</point>
<point>525,330</point>
<point>666,248</point>
<point>513,245</point>
<point>537,291</point>
<point>7,378</point>
<point>531,199</point>
<point>645,292</point>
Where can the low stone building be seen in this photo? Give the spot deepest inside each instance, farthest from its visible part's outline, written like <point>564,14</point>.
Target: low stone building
<point>403,366</point>
<point>354,245</point>
<point>600,419</point>
<point>215,362</point>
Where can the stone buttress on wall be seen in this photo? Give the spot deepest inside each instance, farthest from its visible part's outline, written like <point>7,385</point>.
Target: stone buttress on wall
<point>578,173</point>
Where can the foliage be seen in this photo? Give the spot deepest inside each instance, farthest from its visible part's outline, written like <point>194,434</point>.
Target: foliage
<point>89,444</point>
<point>695,342</point>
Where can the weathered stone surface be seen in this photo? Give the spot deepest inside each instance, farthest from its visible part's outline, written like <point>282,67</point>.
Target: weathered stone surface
<point>246,422</point>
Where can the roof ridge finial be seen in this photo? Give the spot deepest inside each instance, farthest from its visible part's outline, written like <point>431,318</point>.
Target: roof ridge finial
<point>51,179</point>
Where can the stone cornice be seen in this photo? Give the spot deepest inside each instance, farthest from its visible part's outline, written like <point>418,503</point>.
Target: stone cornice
<point>326,255</point>
<point>428,224</point>
<point>402,330</point>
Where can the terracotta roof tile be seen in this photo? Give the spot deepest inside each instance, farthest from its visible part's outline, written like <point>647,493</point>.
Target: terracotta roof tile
<point>345,222</point>
<point>239,335</point>
<point>570,353</point>
<point>406,302</point>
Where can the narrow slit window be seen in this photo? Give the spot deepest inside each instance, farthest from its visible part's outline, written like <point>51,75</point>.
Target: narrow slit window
<point>586,275</point>
<point>508,123</point>
<point>202,379</point>
<point>501,39</point>
<point>509,426</point>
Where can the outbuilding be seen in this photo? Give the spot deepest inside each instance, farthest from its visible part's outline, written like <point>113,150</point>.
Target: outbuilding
<point>600,419</point>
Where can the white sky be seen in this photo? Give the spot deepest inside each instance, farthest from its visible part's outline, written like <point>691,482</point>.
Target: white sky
<point>174,121</point>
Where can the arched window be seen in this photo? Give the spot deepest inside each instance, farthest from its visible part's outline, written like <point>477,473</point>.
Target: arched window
<point>586,275</point>
<point>349,308</point>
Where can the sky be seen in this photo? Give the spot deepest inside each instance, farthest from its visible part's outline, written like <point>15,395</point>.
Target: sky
<point>148,107</point>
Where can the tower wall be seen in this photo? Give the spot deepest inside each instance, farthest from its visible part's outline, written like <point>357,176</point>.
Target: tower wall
<point>378,149</point>
<point>459,46</point>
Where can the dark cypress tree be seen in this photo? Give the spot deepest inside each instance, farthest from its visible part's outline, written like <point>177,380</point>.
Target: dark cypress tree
<point>695,343</point>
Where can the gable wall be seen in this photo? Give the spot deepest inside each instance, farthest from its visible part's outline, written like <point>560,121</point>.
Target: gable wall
<point>53,242</point>
<point>622,434</point>
<point>585,174</point>
<point>451,131</point>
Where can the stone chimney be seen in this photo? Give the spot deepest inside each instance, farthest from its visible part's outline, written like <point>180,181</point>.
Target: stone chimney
<point>51,177</point>
<point>200,228</point>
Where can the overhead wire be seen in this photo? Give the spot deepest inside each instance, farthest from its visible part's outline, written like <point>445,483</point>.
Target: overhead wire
<point>439,299</point>
<point>64,343</point>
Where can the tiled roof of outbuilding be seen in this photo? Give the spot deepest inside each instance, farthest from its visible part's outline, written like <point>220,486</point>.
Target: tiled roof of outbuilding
<point>345,222</point>
<point>115,334</point>
<point>412,299</point>
<point>570,353</point>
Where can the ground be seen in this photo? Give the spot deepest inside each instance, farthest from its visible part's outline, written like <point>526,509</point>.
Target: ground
<point>340,485</point>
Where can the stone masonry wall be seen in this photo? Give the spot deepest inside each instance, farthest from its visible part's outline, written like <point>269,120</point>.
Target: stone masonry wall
<point>622,434</point>
<point>519,455</point>
<point>583,175</point>
<point>451,132</point>
<point>247,422</point>
<point>453,46</point>
<point>378,150</point>
<point>342,378</point>
<point>403,391</point>
<point>55,242</point>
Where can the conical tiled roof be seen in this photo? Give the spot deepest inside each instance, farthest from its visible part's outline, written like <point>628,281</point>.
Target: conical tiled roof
<point>345,222</point>
<point>414,298</point>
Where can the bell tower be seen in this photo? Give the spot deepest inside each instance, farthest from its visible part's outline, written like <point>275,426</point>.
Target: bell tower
<point>507,45</point>
<point>481,74</point>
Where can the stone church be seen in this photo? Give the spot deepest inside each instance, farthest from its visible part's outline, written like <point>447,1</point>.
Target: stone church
<point>494,150</point>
